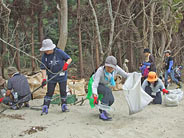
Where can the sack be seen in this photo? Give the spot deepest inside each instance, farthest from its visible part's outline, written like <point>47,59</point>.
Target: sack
<point>174,97</point>
<point>135,96</point>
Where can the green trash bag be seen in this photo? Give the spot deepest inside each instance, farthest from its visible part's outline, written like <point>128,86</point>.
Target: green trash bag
<point>90,93</point>
<point>57,100</point>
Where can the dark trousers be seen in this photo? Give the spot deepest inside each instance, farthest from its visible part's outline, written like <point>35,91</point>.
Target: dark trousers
<point>156,99</point>
<point>50,92</point>
<point>108,98</point>
<point>51,89</point>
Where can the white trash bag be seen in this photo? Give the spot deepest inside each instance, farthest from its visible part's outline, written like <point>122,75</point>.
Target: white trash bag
<point>173,98</point>
<point>135,96</point>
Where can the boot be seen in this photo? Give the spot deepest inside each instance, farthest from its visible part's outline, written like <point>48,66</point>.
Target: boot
<point>178,85</point>
<point>45,110</point>
<point>104,116</point>
<point>64,105</point>
<point>46,104</point>
<point>64,108</point>
<point>107,114</point>
<point>14,107</point>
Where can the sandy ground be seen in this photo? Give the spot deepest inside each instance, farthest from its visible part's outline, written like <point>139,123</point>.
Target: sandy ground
<point>155,121</point>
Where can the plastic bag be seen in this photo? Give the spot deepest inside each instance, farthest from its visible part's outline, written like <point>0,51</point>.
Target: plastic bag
<point>174,97</point>
<point>135,96</point>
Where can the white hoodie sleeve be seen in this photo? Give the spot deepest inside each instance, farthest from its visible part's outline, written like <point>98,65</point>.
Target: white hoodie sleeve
<point>96,79</point>
<point>121,72</point>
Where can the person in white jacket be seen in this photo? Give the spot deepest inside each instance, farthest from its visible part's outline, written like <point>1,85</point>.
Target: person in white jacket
<point>103,80</point>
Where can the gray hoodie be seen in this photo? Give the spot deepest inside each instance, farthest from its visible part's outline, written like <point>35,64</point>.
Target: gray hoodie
<point>99,77</point>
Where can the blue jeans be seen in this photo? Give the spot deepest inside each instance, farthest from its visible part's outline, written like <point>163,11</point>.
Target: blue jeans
<point>171,74</point>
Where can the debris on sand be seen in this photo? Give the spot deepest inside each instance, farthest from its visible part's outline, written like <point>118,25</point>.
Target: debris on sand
<point>13,116</point>
<point>33,129</point>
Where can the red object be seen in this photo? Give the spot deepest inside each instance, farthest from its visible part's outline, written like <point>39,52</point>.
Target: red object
<point>44,82</point>
<point>95,100</point>
<point>1,99</point>
<point>146,71</point>
<point>65,66</point>
<point>165,91</point>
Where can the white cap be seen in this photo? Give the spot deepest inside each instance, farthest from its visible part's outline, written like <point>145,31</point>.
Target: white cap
<point>47,44</point>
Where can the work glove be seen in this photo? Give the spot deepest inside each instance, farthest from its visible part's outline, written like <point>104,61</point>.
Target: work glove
<point>165,91</point>
<point>169,71</point>
<point>65,66</point>
<point>95,100</point>
<point>44,82</point>
<point>1,99</point>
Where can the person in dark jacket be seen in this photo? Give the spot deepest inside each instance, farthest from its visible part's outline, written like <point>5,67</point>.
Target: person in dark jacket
<point>54,60</point>
<point>169,71</point>
<point>149,60</point>
<point>18,90</point>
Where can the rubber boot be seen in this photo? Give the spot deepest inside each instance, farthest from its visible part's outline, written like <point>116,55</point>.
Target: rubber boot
<point>45,109</point>
<point>104,116</point>
<point>46,105</point>
<point>108,115</point>
<point>64,105</point>
<point>178,85</point>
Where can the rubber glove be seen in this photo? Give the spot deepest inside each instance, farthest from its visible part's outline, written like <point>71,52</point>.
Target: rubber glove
<point>165,91</point>
<point>65,66</point>
<point>44,82</point>
<point>1,99</point>
<point>95,100</point>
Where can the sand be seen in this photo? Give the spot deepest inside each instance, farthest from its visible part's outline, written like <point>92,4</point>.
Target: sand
<point>155,121</point>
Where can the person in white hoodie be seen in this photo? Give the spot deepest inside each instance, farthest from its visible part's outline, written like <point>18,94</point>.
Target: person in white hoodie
<point>99,87</point>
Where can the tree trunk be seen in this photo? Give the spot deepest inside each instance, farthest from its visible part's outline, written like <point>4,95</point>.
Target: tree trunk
<point>17,57</point>
<point>80,41</point>
<point>111,33</point>
<point>130,55</point>
<point>98,32</point>
<point>145,42</point>
<point>4,21</point>
<point>32,41</point>
<point>119,54</point>
<point>40,30</point>
<point>63,11</point>
<point>152,11</point>
<point>97,53</point>
<point>32,50</point>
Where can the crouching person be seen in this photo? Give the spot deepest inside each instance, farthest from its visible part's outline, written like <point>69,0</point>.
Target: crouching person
<point>154,86</point>
<point>100,83</point>
<point>18,92</point>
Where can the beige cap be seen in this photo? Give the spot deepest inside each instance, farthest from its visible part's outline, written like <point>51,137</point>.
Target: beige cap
<point>12,70</point>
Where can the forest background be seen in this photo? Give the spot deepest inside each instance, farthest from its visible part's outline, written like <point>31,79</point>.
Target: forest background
<point>90,30</point>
